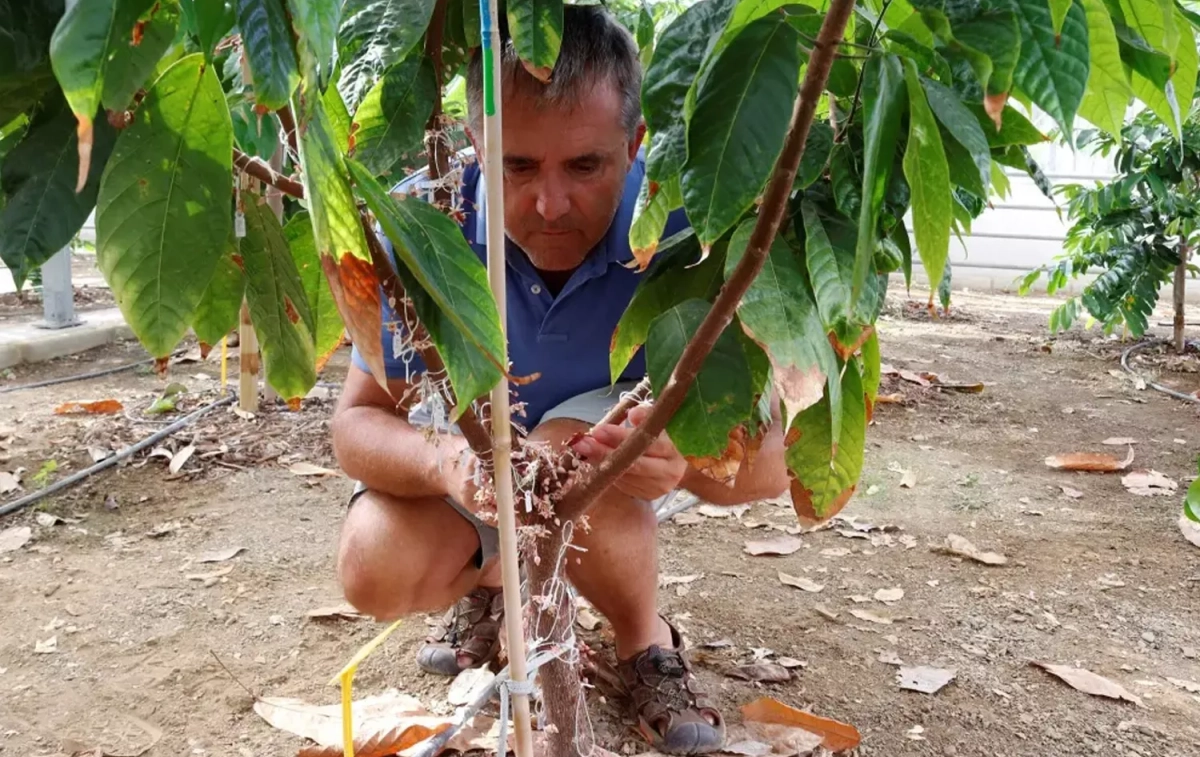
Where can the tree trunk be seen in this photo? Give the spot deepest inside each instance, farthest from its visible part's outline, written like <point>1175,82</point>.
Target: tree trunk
<point>1180,287</point>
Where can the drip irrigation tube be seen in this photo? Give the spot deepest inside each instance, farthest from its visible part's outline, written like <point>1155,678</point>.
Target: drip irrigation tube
<point>1152,384</point>
<point>83,376</point>
<point>108,462</point>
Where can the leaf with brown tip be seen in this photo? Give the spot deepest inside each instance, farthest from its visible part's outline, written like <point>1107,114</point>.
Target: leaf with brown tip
<point>1089,461</point>
<point>836,736</point>
<point>381,744</point>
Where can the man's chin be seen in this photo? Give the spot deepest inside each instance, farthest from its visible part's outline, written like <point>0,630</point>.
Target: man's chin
<point>556,252</point>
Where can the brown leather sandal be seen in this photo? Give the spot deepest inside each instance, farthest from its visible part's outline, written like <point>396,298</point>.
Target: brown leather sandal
<point>673,714</point>
<point>469,634</point>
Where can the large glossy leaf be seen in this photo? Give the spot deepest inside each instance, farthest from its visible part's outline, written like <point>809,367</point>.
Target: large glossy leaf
<point>328,330</point>
<point>883,102</point>
<point>278,303</point>
<point>816,154</point>
<point>742,114</point>
<point>270,52</point>
<point>997,36</point>
<point>25,72</point>
<point>830,284</point>
<point>471,23</point>
<point>208,21</point>
<point>134,58</point>
<point>678,55</point>
<point>376,34</point>
<point>1015,128</point>
<point>316,25</point>
<point>536,27</point>
<point>928,179</point>
<point>654,204</point>
<point>673,277</point>
<point>961,124</point>
<point>1107,96</point>
<point>825,472</point>
<point>338,234</point>
<point>719,399</point>
<point>1167,101</point>
<point>217,311</point>
<point>88,38</point>
<point>432,248</point>
<point>1155,21</point>
<point>1058,13</point>
<point>159,229</point>
<point>255,134</point>
<point>390,123</point>
<point>1053,69</point>
<point>339,117</point>
<point>778,313</point>
<point>41,210</point>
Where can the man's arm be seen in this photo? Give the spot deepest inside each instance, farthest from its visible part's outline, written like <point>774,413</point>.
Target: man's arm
<point>375,444</point>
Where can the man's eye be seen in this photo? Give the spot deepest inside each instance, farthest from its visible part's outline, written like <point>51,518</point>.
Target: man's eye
<point>520,169</point>
<point>586,167</point>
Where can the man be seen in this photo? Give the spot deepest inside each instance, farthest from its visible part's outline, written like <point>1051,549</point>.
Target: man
<point>410,543</point>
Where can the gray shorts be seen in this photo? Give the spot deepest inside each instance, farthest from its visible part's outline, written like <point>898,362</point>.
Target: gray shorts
<point>589,407</point>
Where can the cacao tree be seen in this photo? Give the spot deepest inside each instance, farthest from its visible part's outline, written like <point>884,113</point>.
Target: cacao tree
<point>815,146</point>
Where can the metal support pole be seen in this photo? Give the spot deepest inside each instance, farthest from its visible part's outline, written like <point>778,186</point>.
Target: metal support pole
<point>58,296</point>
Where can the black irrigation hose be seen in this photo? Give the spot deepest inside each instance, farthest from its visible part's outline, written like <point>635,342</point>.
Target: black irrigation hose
<point>83,376</point>
<point>1153,385</point>
<point>107,462</point>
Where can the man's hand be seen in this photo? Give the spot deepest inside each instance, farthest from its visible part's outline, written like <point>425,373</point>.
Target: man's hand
<point>458,471</point>
<point>656,473</point>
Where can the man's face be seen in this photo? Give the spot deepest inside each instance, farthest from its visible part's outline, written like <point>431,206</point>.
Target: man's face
<point>564,174</point>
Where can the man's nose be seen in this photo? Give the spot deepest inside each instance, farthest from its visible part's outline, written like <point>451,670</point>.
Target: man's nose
<point>552,201</point>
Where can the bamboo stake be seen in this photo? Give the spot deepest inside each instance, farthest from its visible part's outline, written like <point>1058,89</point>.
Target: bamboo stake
<point>493,172</point>
<point>248,362</point>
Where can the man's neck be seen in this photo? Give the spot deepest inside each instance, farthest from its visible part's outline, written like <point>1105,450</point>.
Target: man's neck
<point>555,281</point>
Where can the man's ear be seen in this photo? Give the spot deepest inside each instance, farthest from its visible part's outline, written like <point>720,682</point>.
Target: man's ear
<point>636,144</point>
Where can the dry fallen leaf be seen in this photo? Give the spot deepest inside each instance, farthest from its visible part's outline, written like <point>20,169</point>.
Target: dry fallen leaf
<point>800,582</point>
<point>221,555</point>
<point>825,612</point>
<point>1189,528</point>
<point>1072,493</point>
<point>9,483</point>
<point>340,612</point>
<point>1089,461</point>
<point>870,617</point>
<point>780,545</point>
<point>1190,687</point>
<point>835,736</point>
<point>1088,682</point>
<point>180,458</point>
<point>715,511</point>
<point>99,407</point>
<point>665,581</point>
<point>924,678</point>
<point>1119,441</point>
<point>791,662</point>
<point>748,748</point>
<point>49,646</point>
<point>308,469</point>
<point>961,547</point>
<point>380,744</point>
<point>762,672</point>
<point>1147,483</point>
<point>12,539</point>
<point>908,479</point>
<point>888,596</point>
<point>469,684</point>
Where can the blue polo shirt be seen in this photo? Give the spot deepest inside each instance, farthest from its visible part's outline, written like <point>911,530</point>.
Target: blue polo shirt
<point>565,338</point>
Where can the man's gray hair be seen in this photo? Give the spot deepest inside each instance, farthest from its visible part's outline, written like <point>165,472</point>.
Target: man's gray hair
<point>595,48</point>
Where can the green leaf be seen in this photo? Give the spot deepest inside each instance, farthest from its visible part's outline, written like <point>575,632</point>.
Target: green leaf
<point>825,473</point>
<point>720,397</point>
<point>645,26</point>
<point>1155,21</point>
<point>1179,91</point>
<point>1015,128</point>
<point>650,217</point>
<point>675,275</point>
<point>328,329</point>
<point>42,211</point>
<point>217,311</point>
<point>339,117</point>
<point>254,134</point>
<point>1191,503</point>
<point>390,123</point>
<point>25,72</point>
<point>997,36</point>
<point>678,55</point>
<point>830,285</point>
<point>208,21</point>
<point>536,27</point>
<point>316,25</point>
<point>1053,70</point>
<point>270,54</point>
<point>85,43</point>
<point>278,304</point>
<point>159,229</point>
<point>963,126</point>
<point>1058,14</point>
<point>780,316</point>
<point>872,367</point>
<point>741,117</point>
<point>1108,92</point>
<point>472,28</point>
<point>132,64</point>
<point>374,35</point>
<point>928,179</point>
<point>433,250</point>
<point>817,148</point>
<point>883,104</point>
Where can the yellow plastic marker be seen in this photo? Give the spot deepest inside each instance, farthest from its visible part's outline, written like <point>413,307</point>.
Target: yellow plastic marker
<point>346,679</point>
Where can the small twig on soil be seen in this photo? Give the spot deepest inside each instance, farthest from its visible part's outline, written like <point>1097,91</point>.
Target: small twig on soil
<point>234,678</point>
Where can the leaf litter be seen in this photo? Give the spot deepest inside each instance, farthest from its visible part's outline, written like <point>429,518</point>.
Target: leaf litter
<point>799,582</point>
<point>779,545</point>
<point>12,539</point>
<point>1088,682</point>
<point>925,679</point>
<point>220,555</point>
<point>834,735</point>
<point>960,546</point>
<point>1090,461</point>
<point>1148,483</point>
<point>889,596</point>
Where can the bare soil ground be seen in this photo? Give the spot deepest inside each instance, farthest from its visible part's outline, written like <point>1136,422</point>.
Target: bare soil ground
<point>1102,580</point>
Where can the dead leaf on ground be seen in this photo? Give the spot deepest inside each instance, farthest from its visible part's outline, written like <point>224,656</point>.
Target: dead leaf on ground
<point>180,458</point>
<point>1147,483</point>
<point>469,684</point>
<point>780,545</point>
<point>1119,441</point>
<point>1089,461</point>
<point>762,672</point>
<point>791,662</point>
<point>665,581</point>
<point>888,596</point>
<point>99,407</point>
<point>12,539</point>
<point>221,555</point>
<point>715,511</point>
<point>211,577</point>
<point>835,736</point>
<point>340,612</point>
<point>380,744</point>
<point>871,617</point>
<point>9,482</point>
<point>1190,687</point>
<point>889,657</point>
<point>308,469</point>
<point>748,748</point>
<point>800,582</point>
<point>961,547</point>
<point>49,646</point>
<point>923,678</point>
<point>1072,493</point>
<point>687,519</point>
<point>1088,682</point>
<point>825,612</point>
<point>1189,528</point>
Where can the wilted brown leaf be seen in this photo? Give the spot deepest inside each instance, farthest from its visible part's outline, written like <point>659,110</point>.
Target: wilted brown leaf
<point>961,547</point>
<point>308,469</point>
<point>355,289</point>
<point>342,612</point>
<point>762,672</point>
<point>800,582</point>
<point>380,744</point>
<point>1187,527</point>
<point>871,617</point>
<point>221,555</point>
<point>1072,493</point>
<point>1088,682</point>
<point>99,407</point>
<point>887,596</point>
<point>1119,441</point>
<point>9,482</point>
<point>1089,461</point>
<point>924,678</point>
<point>12,539</point>
<point>779,545</point>
<point>180,458</point>
<point>1147,483</point>
<point>835,736</point>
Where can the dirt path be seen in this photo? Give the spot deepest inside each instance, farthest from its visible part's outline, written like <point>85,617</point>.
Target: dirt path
<point>1102,580</point>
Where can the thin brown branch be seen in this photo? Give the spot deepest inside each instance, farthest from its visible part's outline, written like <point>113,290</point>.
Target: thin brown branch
<point>633,397</point>
<point>581,496</point>
<point>469,423</point>
<point>264,173</point>
<point>438,154</point>
<point>288,122</point>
